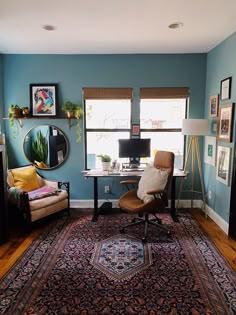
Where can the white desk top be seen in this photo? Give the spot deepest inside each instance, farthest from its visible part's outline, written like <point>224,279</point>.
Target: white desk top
<point>91,173</point>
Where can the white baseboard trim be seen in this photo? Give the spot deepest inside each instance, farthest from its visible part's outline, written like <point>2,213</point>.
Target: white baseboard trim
<point>218,220</point>
<point>74,203</point>
<point>209,212</point>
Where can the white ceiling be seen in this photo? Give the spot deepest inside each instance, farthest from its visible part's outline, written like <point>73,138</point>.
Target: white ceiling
<point>114,27</point>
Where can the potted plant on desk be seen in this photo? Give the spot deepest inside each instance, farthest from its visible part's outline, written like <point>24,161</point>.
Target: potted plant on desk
<point>106,161</point>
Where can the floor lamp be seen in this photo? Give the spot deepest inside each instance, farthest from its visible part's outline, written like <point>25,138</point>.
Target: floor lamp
<point>194,128</point>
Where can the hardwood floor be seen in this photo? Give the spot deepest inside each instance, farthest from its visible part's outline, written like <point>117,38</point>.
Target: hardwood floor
<point>19,242</point>
<point>225,244</point>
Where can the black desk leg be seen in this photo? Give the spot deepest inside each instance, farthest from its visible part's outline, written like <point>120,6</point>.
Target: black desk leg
<point>172,205</point>
<point>95,196</point>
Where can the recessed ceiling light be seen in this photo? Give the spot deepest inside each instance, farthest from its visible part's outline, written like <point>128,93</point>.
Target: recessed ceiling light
<point>176,25</point>
<point>49,27</point>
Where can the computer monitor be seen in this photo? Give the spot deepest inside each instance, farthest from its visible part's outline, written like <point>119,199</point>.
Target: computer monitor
<point>134,149</point>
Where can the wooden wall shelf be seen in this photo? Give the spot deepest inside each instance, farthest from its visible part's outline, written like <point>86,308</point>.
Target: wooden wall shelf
<point>20,120</point>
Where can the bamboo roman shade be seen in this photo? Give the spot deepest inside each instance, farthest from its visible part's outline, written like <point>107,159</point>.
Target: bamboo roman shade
<point>164,92</point>
<point>107,93</point>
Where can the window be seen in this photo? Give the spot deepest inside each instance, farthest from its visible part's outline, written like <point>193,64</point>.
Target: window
<point>107,119</point>
<point>161,113</point>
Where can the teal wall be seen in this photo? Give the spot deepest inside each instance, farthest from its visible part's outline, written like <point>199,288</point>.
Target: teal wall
<point>221,63</point>
<point>72,73</point>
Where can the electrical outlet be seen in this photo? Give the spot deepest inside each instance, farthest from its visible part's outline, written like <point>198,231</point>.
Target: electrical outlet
<point>107,189</point>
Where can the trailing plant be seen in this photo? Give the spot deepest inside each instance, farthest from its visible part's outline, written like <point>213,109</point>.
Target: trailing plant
<point>14,112</point>
<point>40,148</point>
<point>74,110</point>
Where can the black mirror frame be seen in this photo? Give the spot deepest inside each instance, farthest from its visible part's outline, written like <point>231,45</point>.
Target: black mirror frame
<point>66,143</point>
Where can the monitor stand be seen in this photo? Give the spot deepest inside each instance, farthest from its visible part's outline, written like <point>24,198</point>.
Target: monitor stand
<point>134,163</point>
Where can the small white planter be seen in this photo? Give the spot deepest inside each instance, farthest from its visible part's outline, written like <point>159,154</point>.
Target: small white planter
<point>106,166</point>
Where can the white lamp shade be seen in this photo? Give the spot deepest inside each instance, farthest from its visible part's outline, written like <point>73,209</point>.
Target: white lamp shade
<point>195,127</point>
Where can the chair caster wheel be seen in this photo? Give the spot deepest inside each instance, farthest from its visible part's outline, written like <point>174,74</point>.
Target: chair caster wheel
<point>122,230</point>
<point>169,233</point>
<point>144,240</point>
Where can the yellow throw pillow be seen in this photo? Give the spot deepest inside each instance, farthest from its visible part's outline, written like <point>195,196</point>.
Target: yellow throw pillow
<point>25,179</point>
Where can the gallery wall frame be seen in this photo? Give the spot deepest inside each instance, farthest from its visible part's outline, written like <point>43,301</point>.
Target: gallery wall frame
<point>225,89</point>
<point>214,127</point>
<point>210,150</point>
<point>223,164</point>
<point>43,99</point>
<point>214,104</point>
<point>225,122</point>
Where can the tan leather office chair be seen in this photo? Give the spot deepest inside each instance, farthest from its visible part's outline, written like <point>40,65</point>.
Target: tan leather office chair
<point>33,196</point>
<point>151,195</point>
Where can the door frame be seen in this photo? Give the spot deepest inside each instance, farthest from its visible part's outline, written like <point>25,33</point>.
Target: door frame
<point>232,213</point>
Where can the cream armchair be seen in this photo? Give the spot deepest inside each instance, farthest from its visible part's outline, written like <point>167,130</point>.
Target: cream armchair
<point>34,196</point>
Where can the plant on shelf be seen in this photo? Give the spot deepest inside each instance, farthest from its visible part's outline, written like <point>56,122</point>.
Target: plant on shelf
<point>25,111</point>
<point>14,112</point>
<point>74,110</point>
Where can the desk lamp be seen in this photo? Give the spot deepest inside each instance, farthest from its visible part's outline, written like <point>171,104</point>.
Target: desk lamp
<point>194,128</point>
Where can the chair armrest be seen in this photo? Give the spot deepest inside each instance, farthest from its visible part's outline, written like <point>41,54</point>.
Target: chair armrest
<point>162,194</point>
<point>53,183</point>
<point>129,182</point>
<point>66,186</point>
<point>154,192</point>
<point>45,182</point>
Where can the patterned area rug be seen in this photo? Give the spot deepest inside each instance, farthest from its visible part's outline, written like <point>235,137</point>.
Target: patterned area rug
<point>55,275</point>
<point>121,256</point>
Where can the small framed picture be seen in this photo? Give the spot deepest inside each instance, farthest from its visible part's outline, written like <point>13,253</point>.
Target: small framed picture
<point>214,127</point>
<point>225,122</point>
<point>214,103</point>
<point>210,150</point>
<point>223,164</point>
<point>225,89</point>
<point>43,99</point>
<point>135,130</point>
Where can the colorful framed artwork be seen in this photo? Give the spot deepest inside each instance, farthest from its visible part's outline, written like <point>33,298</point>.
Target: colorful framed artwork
<point>214,103</point>
<point>210,150</point>
<point>225,89</point>
<point>223,164</point>
<point>225,122</point>
<point>43,99</point>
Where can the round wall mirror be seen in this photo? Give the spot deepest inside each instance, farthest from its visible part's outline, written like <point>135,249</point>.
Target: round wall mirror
<point>45,146</point>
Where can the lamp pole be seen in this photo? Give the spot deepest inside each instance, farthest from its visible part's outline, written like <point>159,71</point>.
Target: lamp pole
<point>194,128</point>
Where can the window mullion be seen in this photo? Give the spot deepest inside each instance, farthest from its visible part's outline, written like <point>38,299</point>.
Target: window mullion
<point>107,130</point>
<point>161,130</point>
